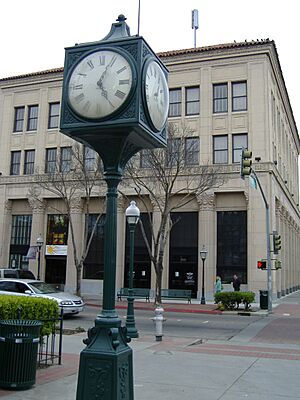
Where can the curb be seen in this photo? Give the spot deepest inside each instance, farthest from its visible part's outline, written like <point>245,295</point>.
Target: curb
<point>166,309</point>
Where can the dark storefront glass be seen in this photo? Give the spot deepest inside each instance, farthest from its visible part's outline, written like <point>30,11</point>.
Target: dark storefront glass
<point>183,265</point>
<point>20,240</point>
<point>93,267</point>
<point>142,263</point>
<point>232,245</point>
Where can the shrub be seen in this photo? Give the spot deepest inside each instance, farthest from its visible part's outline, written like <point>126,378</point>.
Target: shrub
<point>32,308</point>
<point>232,300</point>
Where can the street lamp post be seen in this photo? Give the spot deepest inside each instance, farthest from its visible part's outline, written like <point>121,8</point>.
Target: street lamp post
<point>203,255</point>
<point>39,243</point>
<point>132,215</point>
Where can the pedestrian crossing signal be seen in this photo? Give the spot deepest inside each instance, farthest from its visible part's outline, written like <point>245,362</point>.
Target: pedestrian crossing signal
<point>262,264</point>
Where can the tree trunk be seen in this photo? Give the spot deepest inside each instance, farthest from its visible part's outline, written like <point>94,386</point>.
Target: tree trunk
<point>78,279</point>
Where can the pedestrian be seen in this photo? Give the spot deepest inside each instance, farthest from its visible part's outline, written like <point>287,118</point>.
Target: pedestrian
<point>236,283</point>
<point>218,285</point>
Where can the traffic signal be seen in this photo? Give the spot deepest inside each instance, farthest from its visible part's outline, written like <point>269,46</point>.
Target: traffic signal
<point>262,264</point>
<point>246,163</point>
<point>276,242</point>
<point>277,264</point>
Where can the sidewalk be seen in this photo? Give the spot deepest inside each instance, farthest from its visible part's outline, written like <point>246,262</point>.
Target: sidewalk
<point>249,365</point>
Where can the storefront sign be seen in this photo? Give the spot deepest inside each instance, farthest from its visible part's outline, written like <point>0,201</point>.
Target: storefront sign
<point>56,250</point>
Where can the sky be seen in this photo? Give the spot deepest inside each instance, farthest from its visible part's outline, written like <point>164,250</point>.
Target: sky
<point>34,33</point>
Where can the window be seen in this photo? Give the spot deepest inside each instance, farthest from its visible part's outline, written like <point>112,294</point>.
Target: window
<point>93,267</point>
<point>238,143</point>
<point>192,101</point>
<point>175,103</point>
<point>232,245</point>
<point>32,118</point>
<point>53,115</point>
<point>183,251</point>
<point>65,159</point>
<point>220,98</point>
<point>192,151</point>
<point>173,152</point>
<point>21,229</point>
<point>29,162</point>
<point>15,163</point>
<point>90,159</point>
<point>19,119</point>
<point>239,96</point>
<point>145,159</point>
<point>57,229</point>
<point>220,149</point>
<point>50,165</point>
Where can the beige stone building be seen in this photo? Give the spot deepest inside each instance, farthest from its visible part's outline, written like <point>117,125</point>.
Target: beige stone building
<point>230,96</point>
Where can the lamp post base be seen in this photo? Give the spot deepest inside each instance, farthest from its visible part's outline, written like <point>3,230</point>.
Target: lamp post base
<point>106,369</point>
<point>130,320</point>
<point>202,301</point>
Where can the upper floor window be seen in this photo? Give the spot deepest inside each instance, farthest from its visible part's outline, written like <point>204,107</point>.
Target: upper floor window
<point>220,98</point>
<point>19,119</point>
<point>15,163</point>
<point>90,159</point>
<point>239,142</point>
<point>192,101</point>
<point>50,164</point>
<point>65,159</point>
<point>220,144</point>
<point>53,118</point>
<point>32,118</point>
<point>175,103</point>
<point>239,96</point>
<point>29,162</point>
<point>192,151</point>
<point>145,159</point>
<point>173,152</point>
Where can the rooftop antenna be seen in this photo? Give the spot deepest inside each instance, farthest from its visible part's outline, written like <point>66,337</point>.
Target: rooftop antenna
<point>195,24</point>
<point>139,15</point>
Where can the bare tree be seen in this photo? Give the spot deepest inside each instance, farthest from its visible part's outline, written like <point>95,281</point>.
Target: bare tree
<point>170,181</point>
<point>75,180</point>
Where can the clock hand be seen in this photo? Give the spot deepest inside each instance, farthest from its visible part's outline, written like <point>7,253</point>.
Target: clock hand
<point>104,94</point>
<point>109,65</point>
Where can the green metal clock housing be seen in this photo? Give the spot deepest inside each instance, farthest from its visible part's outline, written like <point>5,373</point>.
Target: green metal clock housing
<point>106,92</point>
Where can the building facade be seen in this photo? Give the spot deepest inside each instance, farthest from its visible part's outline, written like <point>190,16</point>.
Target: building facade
<point>230,97</point>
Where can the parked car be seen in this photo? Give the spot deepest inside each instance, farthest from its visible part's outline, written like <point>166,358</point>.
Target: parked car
<point>16,273</point>
<point>70,303</point>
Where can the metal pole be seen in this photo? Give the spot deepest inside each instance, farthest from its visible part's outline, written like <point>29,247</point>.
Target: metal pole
<point>39,263</point>
<point>203,297</point>
<point>269,266</point>
<point>130,320</point>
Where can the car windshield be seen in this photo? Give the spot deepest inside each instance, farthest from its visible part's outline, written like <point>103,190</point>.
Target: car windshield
<point>42,287</point>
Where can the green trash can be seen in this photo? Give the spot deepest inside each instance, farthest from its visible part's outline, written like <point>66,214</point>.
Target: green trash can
<point>19,341</point>
<point>263,299</point>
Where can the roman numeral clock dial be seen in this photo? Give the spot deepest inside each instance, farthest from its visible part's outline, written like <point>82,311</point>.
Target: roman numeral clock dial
<point>100,84</point>
<point>156,94</point>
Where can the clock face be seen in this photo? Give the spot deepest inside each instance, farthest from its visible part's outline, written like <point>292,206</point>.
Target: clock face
<point>100,84</point>
<point>157,95</point>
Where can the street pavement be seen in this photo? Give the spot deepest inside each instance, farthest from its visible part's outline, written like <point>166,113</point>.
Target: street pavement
<point>261,362</point>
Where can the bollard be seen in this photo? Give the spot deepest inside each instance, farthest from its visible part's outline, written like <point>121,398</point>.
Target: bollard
<point>158,320</point>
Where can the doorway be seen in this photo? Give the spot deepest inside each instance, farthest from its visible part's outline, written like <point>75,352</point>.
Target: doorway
<point>56,271</point>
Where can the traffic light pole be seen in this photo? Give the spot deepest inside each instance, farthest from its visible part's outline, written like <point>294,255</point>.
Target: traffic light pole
<point>269,266</point>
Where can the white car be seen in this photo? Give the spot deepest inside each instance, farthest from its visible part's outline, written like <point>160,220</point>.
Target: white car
<point>70,303</point>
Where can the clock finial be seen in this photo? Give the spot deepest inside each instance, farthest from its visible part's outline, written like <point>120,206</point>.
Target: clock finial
<point>119,29</point>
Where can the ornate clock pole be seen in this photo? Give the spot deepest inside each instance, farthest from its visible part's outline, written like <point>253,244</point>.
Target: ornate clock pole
<point>115,100</point>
